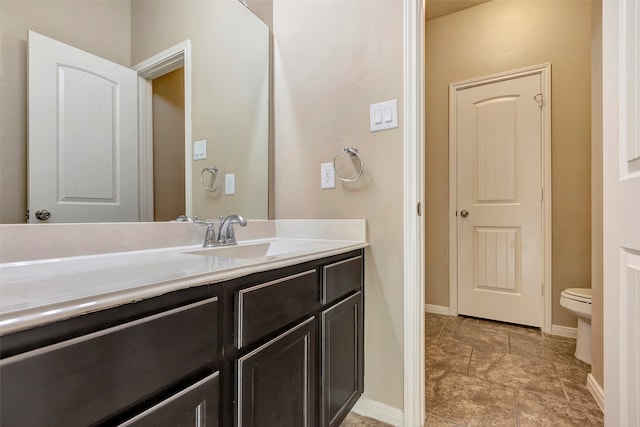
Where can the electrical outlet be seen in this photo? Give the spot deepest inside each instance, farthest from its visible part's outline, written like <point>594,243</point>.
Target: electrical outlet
<point>230,183</point>
<point>327,176</point>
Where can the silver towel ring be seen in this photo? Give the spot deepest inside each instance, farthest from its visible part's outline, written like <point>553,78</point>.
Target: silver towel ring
<point>213,170</point>
<point>351,152</point>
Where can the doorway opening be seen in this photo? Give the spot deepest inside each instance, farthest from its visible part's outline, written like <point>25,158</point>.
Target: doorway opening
<point>166,70</point>
<point>168,146</point>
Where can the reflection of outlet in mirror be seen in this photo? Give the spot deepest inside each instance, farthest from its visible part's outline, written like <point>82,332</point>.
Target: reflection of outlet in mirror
<point>230,183</point>
<point>327,176</point>
<point>200,150</point>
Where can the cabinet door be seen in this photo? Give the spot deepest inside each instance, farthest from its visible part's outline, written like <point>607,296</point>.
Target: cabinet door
<point>342,359</point>
<point>196,406</point>
<point>89,379</point>
<point>276,382</point>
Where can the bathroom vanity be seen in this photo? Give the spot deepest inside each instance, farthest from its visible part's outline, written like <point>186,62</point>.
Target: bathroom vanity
<point>270,340</point>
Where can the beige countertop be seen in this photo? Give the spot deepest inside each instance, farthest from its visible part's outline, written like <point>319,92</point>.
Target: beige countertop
<point>40,291</point>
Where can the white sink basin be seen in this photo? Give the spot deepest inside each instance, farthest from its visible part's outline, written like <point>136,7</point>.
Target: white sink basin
<point>251,251</point>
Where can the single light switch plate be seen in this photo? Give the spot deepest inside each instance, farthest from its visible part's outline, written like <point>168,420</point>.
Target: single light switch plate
<point>200,150</point>
<point>327,176</point>
<point>230,183</point>
<point>383,115</point>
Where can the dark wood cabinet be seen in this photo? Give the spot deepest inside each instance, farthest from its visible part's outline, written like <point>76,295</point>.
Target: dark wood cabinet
<point>276,383</point>
<point>298,343</point>
<point>195,406</point>
<point>341,277</point>
<point>263,308</point>
<point>341,359</point>
<point>111,374</point>
<point>279,348</point>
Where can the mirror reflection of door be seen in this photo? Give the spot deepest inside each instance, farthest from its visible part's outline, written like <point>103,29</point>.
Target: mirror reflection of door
<point>83,136</point>
<point>168,146</point>
<point>88,105</point>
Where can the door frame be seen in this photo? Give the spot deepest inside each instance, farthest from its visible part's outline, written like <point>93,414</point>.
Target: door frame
<point>544,71</point>
<point>168,60</point>
<point>413,222</point>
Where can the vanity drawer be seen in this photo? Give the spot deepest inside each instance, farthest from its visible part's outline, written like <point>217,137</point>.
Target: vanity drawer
<point>340,278</point>
<point>197,405</point>
<point>88,379</point>
<point>264,308</point>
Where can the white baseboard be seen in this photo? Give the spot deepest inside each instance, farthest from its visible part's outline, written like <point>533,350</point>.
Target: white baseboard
<point>378,411</point>
<point>436,309</point>
<point>596,391</point>
<point>564,331</point>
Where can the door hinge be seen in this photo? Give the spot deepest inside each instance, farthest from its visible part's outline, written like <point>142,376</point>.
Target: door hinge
<point>419,208</point>
<point>539,98</point>
<point>542,194</point>
<point>542,289</point>
<point>26,216</point>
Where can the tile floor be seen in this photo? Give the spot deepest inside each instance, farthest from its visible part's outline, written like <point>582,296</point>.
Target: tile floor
<point>355,420</point>
<point>484,373</point>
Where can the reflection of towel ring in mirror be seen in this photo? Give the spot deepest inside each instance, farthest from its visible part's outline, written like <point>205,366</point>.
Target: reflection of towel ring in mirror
<point>351,152</point>
<point>213,170</point>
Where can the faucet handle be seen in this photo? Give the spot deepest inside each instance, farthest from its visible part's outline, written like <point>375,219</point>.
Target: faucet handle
<point>210,235</point>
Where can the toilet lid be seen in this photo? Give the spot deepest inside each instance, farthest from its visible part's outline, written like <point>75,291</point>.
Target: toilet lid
<point>578,294</point>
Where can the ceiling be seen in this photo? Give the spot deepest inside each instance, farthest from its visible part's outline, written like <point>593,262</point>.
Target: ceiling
<point>438,8</point>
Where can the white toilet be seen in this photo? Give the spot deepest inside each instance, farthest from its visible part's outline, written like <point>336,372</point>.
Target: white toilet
<point>578,302</point>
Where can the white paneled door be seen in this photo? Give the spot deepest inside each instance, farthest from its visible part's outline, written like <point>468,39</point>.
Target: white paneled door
<point>83,136</point>
<point>621,211</point>
<point>499,142</point>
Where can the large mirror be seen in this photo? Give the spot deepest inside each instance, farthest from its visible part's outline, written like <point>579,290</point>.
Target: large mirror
<point>217,96</point>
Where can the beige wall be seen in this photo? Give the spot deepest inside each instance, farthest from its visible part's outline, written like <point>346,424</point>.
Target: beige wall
<point>230,57</point>
<point>500,36</point>
<point>264,10</point>
<point>332,59</point>
<point>99,27</point>
<point>597,315</point>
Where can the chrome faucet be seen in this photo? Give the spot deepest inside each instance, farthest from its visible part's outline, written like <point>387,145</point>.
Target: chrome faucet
<point>226,235</point>
<point>210,235</point>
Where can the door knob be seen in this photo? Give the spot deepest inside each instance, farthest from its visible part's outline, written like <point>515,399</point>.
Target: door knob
<point>464,213</point>
<point>43,214</point>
